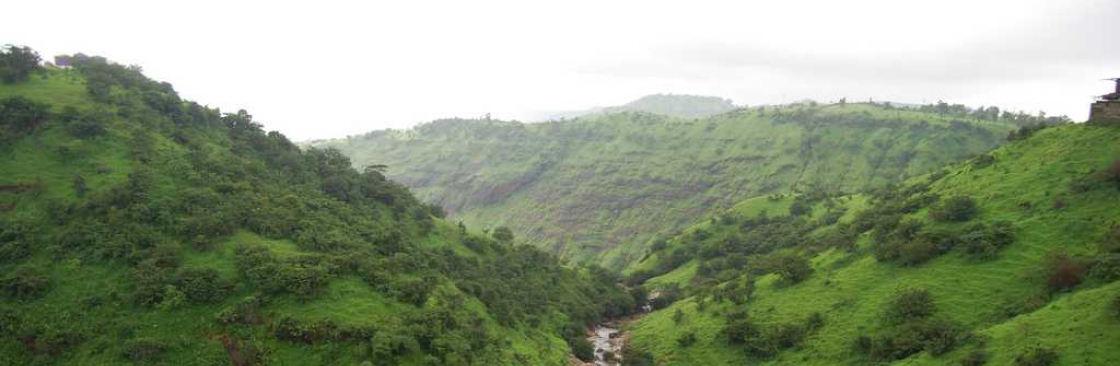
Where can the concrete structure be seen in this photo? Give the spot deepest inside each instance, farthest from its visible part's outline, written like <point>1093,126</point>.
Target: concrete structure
<point>62,62</point>
<point>1106,110</point>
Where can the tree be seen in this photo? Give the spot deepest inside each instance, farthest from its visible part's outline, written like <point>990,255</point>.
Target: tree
<point>1112,174</point>
<point>956,208</point>
<point>17,63</point>
<point>582,349</point>
<point>792,268</point>
<point>911,304</point>
<point>1063,273</point>
<point>19,114</point>
<point>503,234</point>
<point>80,187</point>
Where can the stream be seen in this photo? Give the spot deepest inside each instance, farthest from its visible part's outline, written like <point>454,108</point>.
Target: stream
<point>608,339</point>
<point>608,343</point>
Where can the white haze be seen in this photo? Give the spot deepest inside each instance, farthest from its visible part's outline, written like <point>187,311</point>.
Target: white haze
<point>331,68</point>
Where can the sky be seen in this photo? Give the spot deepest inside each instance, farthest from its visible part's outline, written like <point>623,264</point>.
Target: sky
<point>326,69</point>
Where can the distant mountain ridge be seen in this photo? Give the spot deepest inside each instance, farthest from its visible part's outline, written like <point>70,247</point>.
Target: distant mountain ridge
<point>677,105</point>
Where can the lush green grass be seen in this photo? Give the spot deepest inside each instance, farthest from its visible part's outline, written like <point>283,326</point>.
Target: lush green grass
<point>600,187</point>
<point>851,289</point>
<point>200,170</point>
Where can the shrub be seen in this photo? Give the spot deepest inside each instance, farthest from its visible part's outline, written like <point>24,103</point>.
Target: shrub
<point>246,312</point>
<point>792,268</point>
<point>25,283</point>
<point>956,208</point>
<point>582,348</point>
<point>144,350</point>
<point>739,329</point>
<point>17,63</point>
<point>785,336</point>
<point>1115,306</point>
<point>916,252</point>
<point>202,285</point>
<point>1063,273</point>
<point>1037,356</point>
<point>896,344</point>
<point>981,241</point>
<point>632,356</point>
<point>687,339</point>
<point>939,337</point>
<point>814,321</point>
<point>1106,267</point>
<point>976,357</point>
<point>503,234</point>
<point>21,115</point>
<point>1112,174</point>
<point>910,305</point>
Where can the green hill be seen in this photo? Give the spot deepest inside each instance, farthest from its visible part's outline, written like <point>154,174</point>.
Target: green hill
<point>1011,258</point>
<point>140,228</point>
<point>599,187</point>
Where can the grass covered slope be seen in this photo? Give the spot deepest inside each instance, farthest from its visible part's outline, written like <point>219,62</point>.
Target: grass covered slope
<point>600,187</point>
<point>1024,275</point>
<point>139,228</point>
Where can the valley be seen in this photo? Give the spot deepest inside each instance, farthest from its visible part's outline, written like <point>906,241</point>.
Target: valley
<point>138,227</point>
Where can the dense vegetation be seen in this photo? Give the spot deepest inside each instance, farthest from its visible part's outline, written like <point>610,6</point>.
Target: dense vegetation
<point>601,187</point>
<point>138,227</point>
<point>1009,258</point>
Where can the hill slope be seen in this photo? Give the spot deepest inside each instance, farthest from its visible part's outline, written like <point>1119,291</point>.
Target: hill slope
<point>913,275</point>
<point>600,187</point>
<point>139,228</point>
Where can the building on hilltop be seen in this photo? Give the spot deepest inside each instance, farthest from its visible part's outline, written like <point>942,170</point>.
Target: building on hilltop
<point>1106,110</point>
<point>62,61</point>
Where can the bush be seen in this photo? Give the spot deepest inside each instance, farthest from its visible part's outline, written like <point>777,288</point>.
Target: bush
<point>17,63</point>
<point>503,234</point>
<point>1115,307</point>
<point>687,339</point>
<point>792,268</point>
<point>910,305</point>
<point>939,337</point>
<point>1112,174</point>
<point>1063,273</point>
<point>85,125</point>
<point>981,241</point>
<point>202,285</point>
<point>916,252</point>
<point>25,283</point>
<point>814,321</point>
<point>957,208</point>
<point>785,336</point>
<point>21,115</point>
<point>582,348</point>
<point>1037,356</point>
<point>897,344</point>
<point>144,350</point>
<point>632,356</point>
<point>976,357</point>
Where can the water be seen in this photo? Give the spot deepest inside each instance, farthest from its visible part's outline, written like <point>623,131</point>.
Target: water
<point>606,339</point>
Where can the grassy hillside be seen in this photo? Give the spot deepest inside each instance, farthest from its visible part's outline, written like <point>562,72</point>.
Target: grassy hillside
<point>913,275</point>
<point>600,187</point>
<point>140,228</point>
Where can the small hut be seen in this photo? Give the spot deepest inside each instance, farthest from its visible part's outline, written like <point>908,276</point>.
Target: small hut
<point>62,61</point>
<point>1106,110</point>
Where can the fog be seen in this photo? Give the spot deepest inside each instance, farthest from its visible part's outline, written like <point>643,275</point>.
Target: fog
<point>334,68</point>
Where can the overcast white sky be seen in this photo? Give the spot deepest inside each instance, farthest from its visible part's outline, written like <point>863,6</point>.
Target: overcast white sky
<point>320,69</point>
